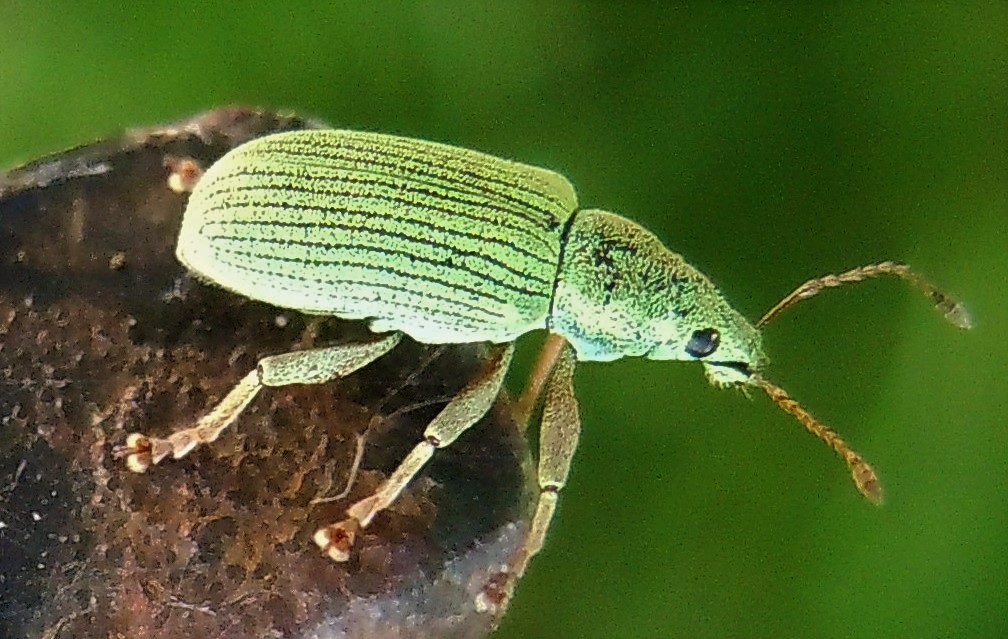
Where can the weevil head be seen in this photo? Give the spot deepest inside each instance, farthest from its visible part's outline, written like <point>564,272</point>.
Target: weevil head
<point>621,292</point>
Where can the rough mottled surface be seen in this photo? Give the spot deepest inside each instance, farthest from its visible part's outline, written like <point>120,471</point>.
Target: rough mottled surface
<point>102,333</point>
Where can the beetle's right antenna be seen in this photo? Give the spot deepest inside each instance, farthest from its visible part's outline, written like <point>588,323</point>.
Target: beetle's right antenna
<point>953,311</point>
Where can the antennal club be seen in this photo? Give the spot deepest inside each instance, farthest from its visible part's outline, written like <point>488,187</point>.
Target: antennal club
<point>952,310</point>
<point>865,479</point>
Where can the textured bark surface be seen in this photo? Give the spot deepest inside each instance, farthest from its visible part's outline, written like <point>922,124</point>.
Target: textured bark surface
<point>102,333</point>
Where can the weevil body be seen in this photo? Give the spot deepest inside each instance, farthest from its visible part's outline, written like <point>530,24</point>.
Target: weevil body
<point>449,245</point>
<point>445,245</point>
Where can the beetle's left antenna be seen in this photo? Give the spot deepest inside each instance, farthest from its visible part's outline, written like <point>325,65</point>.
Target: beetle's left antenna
<point>953,310</point>
<point>865,479</point>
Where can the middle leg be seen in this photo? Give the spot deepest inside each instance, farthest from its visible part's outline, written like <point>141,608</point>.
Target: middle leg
<point>464,410</point>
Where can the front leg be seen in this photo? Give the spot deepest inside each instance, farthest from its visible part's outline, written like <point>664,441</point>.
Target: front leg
<point>558,438</point>
<point>313,366</point>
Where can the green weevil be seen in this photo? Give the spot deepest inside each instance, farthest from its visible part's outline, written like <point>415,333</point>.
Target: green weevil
<point>448,245</point>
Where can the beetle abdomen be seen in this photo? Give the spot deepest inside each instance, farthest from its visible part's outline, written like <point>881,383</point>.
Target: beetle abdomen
<point>444,244</point>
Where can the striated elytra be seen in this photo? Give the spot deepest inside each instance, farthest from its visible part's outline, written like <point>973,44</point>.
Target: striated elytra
<point>449,245</point>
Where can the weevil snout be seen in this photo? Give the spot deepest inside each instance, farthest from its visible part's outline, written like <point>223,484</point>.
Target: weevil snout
<point>734,350</point>
<point>729,347</point>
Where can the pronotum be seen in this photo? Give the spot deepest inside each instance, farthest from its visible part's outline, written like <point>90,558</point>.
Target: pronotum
<point>449,245</point>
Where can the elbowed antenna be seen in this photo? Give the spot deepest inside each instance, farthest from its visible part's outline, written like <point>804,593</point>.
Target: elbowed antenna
<point>953,311</point>
<point>864,476</point>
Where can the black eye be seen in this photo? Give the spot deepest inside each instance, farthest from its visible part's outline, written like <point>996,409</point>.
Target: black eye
<point>703,342</point>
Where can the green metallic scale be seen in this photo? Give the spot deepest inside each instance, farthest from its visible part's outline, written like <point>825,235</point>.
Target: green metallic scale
<point>449,245</point>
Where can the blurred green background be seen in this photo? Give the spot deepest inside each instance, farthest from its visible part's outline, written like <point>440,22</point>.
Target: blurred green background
<point>768,145</point>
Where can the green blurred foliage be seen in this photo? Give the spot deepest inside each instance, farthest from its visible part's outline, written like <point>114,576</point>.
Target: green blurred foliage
<point>767,144</point>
